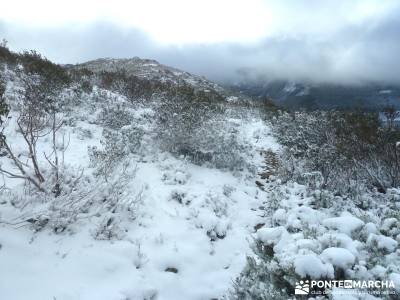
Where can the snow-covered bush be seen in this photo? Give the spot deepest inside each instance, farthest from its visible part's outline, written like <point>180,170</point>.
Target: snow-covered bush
<point>174,172</point>
<point>108,229</point>
<point>210,213</point>
<point>219,144</point>
<point>127,129</point>
<point>112,153</point>
<point>347,148</point>
<point>197,128</point>
<point>116,145</point>
<point>331,211</point>
<point>83,196</point>
<point>115,116</point>
<point>303,239</point>
<point>263,278</point>
<point>180,196</point>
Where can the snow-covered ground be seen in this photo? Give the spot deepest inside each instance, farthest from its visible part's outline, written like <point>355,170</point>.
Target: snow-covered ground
<point>188,240</point>
<point>168,198</point>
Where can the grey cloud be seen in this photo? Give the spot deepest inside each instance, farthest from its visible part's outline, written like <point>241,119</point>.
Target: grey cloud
<point>353,53</point>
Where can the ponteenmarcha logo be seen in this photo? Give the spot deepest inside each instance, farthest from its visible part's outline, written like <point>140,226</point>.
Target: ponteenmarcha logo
<point>302,287</point>
<point>348,287</point>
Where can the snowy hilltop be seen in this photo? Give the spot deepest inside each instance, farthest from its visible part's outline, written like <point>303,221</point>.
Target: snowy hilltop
<point>126,179</point>
<point>149,69</point>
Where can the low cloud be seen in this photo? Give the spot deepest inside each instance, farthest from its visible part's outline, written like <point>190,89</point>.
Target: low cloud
<point>355,52</point>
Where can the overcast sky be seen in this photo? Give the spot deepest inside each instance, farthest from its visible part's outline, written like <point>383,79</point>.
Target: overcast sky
<point>340,41</point>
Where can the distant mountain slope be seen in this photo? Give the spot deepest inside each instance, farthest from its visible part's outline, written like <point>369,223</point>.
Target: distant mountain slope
<point>327,96</point>
<point>151,70</point>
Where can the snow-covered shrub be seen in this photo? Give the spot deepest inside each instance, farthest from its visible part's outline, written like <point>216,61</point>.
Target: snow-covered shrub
<point>180,196</point>
<point>112,153</point>
<point>228,190</point>
<point>141,258</point>
<point>345,147</point>
<point>61,220</point>
<point>37,223</point>
<point>330,211</point>
<point>127,130</point>
<point>304,240</point>
<point>55,213</point>
<point>82,196</point>
<point>117,194</point>
<point>202,134</point>
<point>84,133</point>
<point>263,278</point>
<point>116,145</point>
<point>210,213</point>
<point>174,172</point>
<point>219,144</point>
<point>108,229</point>
<point>193,125</point>
<point>115,116</point>
<point>313,180</point>
<point>179,115</point>
<point>309,142</point>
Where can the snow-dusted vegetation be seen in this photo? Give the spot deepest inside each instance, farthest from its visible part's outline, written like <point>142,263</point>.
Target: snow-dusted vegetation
<point>150,183</point>
<point>119,187</point>
<point>332,207</point>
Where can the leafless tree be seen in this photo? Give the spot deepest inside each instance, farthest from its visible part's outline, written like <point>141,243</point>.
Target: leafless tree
<point>36,120</point>
<point>32,127</point>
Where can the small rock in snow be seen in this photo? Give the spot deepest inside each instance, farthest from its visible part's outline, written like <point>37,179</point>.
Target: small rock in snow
<point>171,270</point>
<point>258,226</point>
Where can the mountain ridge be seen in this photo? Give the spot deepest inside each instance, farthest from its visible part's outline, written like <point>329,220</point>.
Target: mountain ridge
<point>149,69</point>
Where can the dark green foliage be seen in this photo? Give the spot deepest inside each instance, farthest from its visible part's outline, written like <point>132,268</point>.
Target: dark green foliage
<point>44,79</point>
<point>77,74</point>
<point>34,63</point>
<point>6,56</point>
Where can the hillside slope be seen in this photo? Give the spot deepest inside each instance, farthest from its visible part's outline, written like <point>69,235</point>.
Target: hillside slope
<point>126,187</point>
<point>149,69</point>
<point>133,213</point>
